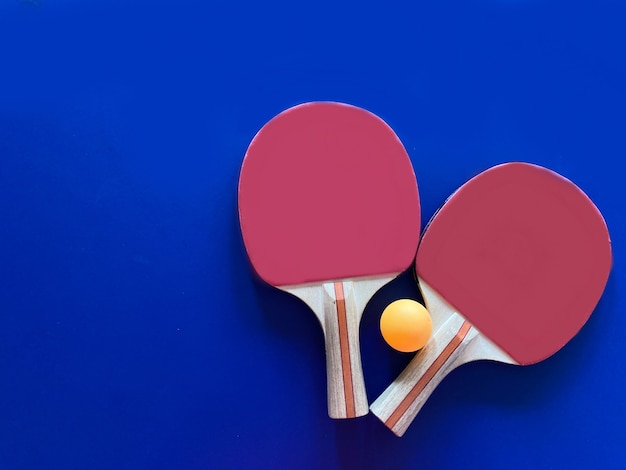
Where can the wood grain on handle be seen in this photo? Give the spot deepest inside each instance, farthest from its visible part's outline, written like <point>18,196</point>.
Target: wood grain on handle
<point>403,399</point>
<point>346,386</point>
<point>339,306</point>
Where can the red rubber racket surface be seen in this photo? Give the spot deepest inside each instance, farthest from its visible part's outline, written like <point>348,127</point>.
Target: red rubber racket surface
<point>327,192</point>
<point>523,254</point>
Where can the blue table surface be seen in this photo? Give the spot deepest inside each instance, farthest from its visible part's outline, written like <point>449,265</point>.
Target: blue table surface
<point>132,332</point>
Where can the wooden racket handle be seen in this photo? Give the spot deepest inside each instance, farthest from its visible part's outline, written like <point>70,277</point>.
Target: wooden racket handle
<point>345,301</point>
<point>400,403</point>
<point>347,397</point>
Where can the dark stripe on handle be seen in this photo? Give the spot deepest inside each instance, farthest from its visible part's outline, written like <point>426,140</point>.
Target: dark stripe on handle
<point>428,375</point>
<point>344,346</point>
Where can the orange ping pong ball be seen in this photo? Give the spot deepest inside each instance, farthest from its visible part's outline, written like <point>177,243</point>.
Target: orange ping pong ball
<point>406,325</point>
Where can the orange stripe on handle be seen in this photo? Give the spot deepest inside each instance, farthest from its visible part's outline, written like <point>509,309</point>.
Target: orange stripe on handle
<point>346,366</point>
<point>428,375</point>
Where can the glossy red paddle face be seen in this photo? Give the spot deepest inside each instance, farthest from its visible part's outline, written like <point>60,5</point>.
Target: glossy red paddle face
<point>523,254</point>
<point>327,192</point>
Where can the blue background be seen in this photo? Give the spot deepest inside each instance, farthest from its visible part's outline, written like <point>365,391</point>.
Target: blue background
<point>132,333</point>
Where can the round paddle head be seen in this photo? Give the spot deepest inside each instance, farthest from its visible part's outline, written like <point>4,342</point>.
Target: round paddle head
<point>523,254</point>
<point>327,192</point>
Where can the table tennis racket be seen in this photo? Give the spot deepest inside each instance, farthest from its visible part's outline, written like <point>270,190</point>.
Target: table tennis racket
<point>510,269</point>
<point>329,212</point>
